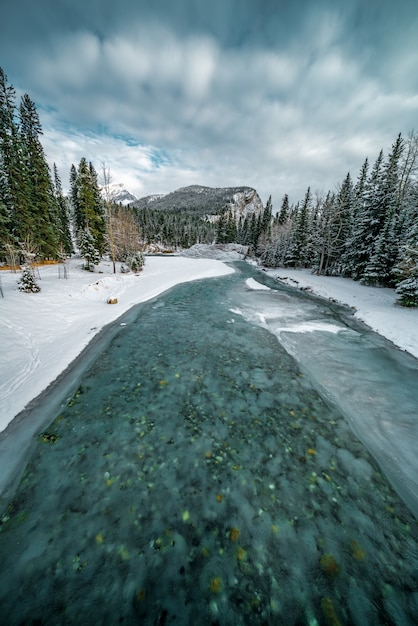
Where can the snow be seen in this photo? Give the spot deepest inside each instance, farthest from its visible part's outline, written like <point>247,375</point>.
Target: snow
<point>254,284</point>
<point>42,333</point>
<point>375,306</point>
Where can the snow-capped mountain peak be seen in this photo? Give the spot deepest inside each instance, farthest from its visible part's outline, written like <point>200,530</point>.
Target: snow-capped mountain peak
<point>117,193</point>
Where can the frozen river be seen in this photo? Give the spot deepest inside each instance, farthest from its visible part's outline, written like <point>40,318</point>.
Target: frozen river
<point>221,463</point>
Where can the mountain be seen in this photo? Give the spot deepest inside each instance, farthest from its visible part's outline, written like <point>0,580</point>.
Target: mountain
<point>120,195</point>
<point>201,200</point>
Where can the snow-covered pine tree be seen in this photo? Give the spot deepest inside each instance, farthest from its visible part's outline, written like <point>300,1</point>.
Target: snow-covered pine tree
<point>136,261</point>
<point>265,222</point>
<point>349,252</point>
<point>27,282</point>
<point>325,234</point>
<point>367,222</point>
<point>407,290</point>
<point>406,269</point>
<point>296,255</point>
<point>87,245</point>
<point>378,271</point>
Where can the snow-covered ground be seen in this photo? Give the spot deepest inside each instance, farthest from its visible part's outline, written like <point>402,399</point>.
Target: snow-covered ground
<point>42,333</point>
<point>373,305</point>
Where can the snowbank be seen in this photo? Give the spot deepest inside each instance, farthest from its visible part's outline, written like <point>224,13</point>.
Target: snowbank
<point>373,305</point>
<point>41,334</point>
<point>220,251</point>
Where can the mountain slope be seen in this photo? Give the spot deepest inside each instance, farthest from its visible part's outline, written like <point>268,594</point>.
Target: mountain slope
<point>201,200</point>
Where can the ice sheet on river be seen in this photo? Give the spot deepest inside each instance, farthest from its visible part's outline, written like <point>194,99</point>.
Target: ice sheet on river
<point>373,384</point>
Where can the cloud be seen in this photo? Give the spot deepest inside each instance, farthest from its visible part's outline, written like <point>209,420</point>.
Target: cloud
<point>277,99</point>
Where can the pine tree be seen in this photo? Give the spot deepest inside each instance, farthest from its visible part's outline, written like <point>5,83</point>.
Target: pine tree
<point>14,193</point>
<point>88,249</point>
<point>97,222</point>
<point>43,210</point>
<point>407,290</point>
<point>367,222</point>
<point>349,252</point>
<point>221,230</point>
<point>64,222</point>
<point>231,228</point>
<point>326,237</point>
<point>27,282</point>
<point>284,210</point>
<point>406,269</point>
<point>88,206</point>
<point>378,271</point>
<point>297,254</point>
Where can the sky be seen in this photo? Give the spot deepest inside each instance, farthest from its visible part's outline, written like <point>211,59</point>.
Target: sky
<point>271,94</point>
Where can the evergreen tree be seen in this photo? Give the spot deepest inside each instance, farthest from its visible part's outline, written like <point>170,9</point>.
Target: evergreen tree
<point>406,269</point>
<point>297,254</point>
<point>378,271</point>
<point>407,168</point>
<point>368,222</point>
<point>407,289</point>
<point>43,209</point>
<point>284,210</point>
<point>64,222</point>
<point>14,193</point>
<point>97,222</point>
<point>88,249</point>
<point>350,252</point>
<point>384,208</point>
<point>221,230</point>
<point>326,237</point>
<point>77,213</point>
<point>88,209</point>
<point>231,228</point>
<point>265,224</point>
<point>27,282</point>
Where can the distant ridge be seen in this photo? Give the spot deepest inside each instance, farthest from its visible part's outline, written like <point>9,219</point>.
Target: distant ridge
<point>201,200</point>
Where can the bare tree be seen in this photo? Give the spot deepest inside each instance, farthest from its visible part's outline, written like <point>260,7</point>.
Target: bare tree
<point>12,256</point>
<point>126,235</point>
<point>107,179</point>
<point>409,165</point>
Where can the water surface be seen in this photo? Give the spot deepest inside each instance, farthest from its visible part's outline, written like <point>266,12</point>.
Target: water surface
<point>197,476</point>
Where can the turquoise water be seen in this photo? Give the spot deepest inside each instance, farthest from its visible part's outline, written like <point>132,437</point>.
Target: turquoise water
<point>197,477</point>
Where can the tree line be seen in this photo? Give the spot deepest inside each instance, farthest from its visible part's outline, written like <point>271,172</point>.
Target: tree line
<point>33,210</point>
<point>366,230</point>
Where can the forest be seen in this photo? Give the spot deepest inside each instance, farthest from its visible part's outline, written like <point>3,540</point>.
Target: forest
<point>365,229</point>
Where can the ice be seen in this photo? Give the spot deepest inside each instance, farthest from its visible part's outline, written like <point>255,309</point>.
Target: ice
<point>372,383</point>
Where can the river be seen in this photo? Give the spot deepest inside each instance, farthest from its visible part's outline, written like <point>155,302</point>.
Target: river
<point>222,462</point>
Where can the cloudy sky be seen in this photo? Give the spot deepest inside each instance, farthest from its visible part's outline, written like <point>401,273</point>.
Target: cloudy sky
<point>273,94</point>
